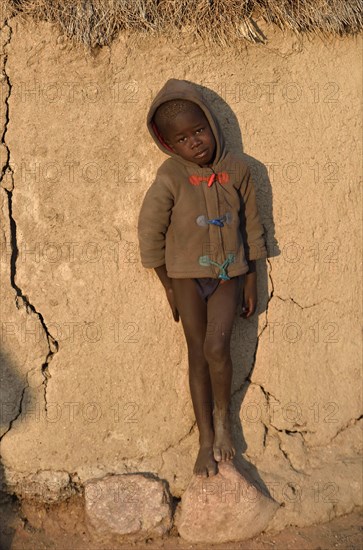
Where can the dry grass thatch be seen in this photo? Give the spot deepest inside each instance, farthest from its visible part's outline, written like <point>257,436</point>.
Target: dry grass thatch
<point>97,22</point>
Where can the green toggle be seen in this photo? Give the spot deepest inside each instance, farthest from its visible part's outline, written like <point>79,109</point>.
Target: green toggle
<point>206,261</point>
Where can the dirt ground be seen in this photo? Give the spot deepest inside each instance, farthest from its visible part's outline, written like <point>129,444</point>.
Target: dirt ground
<point>28,526</point>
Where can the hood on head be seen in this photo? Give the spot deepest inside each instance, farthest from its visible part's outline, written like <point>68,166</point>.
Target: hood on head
<point>182,89</point>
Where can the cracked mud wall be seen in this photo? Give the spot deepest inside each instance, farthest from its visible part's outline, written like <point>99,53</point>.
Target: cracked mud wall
<point>95,371</point>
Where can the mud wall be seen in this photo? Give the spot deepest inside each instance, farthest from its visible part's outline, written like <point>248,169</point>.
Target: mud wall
<point>94,376</point>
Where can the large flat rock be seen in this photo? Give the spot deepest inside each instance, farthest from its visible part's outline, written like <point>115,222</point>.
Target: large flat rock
<point>223,508</point>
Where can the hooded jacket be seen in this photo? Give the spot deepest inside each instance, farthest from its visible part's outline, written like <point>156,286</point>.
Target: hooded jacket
<point>199,221</point>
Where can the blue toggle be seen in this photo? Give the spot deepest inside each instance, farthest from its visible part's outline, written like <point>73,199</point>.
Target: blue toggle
<point>217,221</point>
<point>220,221</point>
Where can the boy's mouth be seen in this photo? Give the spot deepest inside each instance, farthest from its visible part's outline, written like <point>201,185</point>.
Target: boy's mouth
<point>201,154</point>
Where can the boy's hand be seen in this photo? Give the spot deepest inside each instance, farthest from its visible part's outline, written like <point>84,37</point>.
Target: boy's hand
<point>171,300</point>
<point>166,282</point>
<point>249,295</point>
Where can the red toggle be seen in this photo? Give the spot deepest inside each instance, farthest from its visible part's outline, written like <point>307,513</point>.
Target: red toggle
<point>222,178</point>
<point>211,180</point>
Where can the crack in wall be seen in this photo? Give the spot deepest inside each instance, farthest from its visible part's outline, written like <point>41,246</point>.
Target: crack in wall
<point>266,393</point>
<point>265,325</point>
<point>160,455</point>
<point>290,299</point>
<point>181,439</point>
<point>290,432</point>
<point>21,299</point>
<point>248,379</point>
<point>20,406</point>
<point>265,434</point>
<point>20,410</point>
<point>288,459</point>
<point>285,452</point>
<point>172,445</point>
<point>272,293</point>
<point>347,425</point>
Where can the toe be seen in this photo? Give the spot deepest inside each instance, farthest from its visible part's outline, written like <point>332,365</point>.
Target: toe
<point>217,454</point>
<point>212,470</point>
<point>198,471</point>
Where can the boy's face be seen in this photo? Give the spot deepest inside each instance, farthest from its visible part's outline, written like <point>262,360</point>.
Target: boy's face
<point>190,136</point>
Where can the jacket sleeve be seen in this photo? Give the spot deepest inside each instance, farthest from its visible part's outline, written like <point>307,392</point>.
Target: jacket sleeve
<point>250,225</point>
<point>153,222</point>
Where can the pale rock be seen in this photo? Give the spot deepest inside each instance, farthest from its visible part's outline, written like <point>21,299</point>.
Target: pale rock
<point>223,508</point>
<point>128,506</point>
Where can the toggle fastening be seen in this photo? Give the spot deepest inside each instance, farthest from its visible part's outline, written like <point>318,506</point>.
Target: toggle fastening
<point>206,261</point>
<point>222,178</point>
<point>203,220</point>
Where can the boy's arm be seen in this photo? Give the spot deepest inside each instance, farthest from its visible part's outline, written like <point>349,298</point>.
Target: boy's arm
<point>166,282</point>
<point>253,240</point>
<point>250,225</point>
<point>163,276</point>
<point>250,291</point>
<point>153,222</point>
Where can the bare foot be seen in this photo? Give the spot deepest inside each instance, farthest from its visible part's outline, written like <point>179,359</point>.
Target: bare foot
<point>205,465</point>
<point>223,447</point>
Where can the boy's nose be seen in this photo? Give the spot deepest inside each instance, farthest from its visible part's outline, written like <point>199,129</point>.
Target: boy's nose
<point>195,141</point>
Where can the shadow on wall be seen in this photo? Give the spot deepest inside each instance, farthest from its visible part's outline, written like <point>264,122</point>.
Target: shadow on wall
<point>244,339</point>
<point>11,395</point>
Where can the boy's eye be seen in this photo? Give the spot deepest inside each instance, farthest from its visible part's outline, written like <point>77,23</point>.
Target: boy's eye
<point>181,139</point>
<point>199,130</point>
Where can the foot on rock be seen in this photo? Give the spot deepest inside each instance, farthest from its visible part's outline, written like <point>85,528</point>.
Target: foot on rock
<point>205,465</point>
<point>223,447</point>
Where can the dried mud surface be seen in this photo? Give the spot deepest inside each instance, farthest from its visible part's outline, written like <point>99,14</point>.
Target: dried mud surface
<point>95,377</point>
<point>29,526</point>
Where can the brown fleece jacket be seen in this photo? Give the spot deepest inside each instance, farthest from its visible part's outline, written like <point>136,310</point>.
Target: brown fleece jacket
<point>175,222</point>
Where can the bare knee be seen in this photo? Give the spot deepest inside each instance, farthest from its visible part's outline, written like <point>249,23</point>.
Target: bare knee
<point>216,352</point>
<point>196,358</point>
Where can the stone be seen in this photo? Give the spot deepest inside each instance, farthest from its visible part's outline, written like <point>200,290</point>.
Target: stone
<point>223,508</point>
<point>129,506</point>
<point>46,486</point>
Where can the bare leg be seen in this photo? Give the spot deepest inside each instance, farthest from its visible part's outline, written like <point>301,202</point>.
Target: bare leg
<point>193,314</point>
<point>221,311</point>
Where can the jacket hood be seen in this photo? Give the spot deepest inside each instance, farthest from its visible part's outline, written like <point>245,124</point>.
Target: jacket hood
<point>182,89</point>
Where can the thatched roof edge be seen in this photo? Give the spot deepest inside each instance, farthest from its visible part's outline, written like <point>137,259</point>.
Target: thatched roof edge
<point>97,22</point>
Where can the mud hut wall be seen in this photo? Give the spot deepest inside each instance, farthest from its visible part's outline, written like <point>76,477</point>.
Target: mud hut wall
<point>96,377</point>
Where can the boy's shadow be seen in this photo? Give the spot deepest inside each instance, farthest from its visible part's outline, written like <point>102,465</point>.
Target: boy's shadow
<point>244,339</point>
<point>10,399</point>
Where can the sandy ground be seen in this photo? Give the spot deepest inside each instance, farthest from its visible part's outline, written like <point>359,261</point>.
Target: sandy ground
<point>28,526</point>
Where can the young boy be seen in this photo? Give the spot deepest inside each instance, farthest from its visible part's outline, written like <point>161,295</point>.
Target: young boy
<point>199,229</point>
